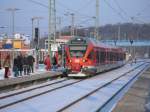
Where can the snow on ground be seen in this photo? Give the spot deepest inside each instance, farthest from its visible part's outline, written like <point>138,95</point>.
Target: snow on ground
<point>57,99</point>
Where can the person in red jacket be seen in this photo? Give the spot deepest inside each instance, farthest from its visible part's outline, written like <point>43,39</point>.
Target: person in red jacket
<point>47,62</point>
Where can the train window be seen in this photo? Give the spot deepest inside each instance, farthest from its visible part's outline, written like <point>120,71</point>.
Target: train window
<point>108,56</point>
<point>115,56</point>
<point>77,53</point>
<point>98,56</point>
<point>102,56</point>
<point>111,56</point>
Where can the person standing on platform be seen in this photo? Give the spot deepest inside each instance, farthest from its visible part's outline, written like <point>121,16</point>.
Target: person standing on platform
<point>25,65</point>
<point>47,62</point>
<point>31,61</point>
<point>15,68</point>
<point>20,64</point>
<point>54,62</point>
<point>7,65</point>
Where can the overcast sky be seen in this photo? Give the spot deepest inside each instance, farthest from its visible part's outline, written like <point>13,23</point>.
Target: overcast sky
<point>111,12</point>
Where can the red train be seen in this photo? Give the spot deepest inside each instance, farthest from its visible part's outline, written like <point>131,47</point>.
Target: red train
<point>87,56</point>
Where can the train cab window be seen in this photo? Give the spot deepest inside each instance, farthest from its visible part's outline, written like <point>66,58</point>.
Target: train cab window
<point>77,51</point>
<point>91,55</point>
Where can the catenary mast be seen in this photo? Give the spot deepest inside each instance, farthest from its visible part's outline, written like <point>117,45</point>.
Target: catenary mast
<point>52,25</point>
<point>97,21</point>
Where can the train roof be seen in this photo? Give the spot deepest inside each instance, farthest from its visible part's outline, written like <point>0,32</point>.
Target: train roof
<point>86,40</point>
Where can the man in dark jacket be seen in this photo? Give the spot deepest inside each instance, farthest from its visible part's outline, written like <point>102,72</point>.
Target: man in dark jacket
<point>15,68</point>
<point>31,61</point>
<point>20,64</point>
<point>25,65</point>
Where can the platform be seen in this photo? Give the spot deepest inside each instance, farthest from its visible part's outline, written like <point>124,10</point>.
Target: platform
<point>137,99</point>
<point>12,83</point>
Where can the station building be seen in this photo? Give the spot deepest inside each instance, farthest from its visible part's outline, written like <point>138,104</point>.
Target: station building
<point>12,46</point>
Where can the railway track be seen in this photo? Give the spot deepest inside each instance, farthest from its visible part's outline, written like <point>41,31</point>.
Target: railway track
<point>74,103</point>
<point>25,95</point>
<point>9,94</point>
<point>35,92</point>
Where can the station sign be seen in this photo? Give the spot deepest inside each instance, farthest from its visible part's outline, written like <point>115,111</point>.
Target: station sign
<point>17,44</point>
<point>54,47</point>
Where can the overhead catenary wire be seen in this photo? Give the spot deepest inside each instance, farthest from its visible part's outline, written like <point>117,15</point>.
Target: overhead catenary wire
<point>115,10</point>
<point>121,12</point>
<point>66,7</point>
<point>121,9</point>
<point>124,14</point>
<point>38,3</point>
<point>76,12</point>
<point>136,19</point>
<point>85,5</point>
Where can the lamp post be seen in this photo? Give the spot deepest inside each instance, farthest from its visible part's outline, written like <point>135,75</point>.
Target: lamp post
<point>13,10</point>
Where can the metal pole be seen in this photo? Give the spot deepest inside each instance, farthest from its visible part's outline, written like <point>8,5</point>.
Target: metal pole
<point>97,20</point>
<point>13,15</point>
<point>54,22</point>
<point>59,19</point>
<point>49,28</point>
<point>38,32</point>
<point>72,26</point>
<point>52,25</point>
<point>32,42</point>
<point>119,32</point>
<point>12,10</point>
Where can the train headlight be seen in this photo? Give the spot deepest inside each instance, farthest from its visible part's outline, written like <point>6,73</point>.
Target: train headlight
<point>84,60</point>
<point>70,61</point>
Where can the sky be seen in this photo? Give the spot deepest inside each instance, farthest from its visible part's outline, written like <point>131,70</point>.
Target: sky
<point>110,12</point>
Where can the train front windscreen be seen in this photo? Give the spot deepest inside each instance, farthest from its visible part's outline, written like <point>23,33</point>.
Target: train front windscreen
<point>77,51</point>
